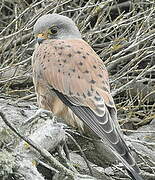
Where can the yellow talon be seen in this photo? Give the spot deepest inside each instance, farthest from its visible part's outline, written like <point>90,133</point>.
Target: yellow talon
<point>26,145</point>
<point>34,163</point>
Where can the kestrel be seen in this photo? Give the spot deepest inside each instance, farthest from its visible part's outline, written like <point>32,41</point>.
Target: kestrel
<point>72,81</point>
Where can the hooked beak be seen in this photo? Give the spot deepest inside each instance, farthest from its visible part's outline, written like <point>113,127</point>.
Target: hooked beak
<point>41,37</point>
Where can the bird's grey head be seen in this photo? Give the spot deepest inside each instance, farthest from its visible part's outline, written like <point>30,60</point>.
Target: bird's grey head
<point>55,26</point>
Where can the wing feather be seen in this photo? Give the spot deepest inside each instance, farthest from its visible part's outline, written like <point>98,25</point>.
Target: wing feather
<point>111,134</point>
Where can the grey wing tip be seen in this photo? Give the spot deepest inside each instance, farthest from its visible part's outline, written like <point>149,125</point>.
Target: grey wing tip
<point>134,175</point>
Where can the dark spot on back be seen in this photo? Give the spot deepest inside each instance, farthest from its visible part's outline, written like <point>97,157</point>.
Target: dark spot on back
<point>79,52</point>
<point>44,56</point>
<point>60,53</point>
<point>97,93</point>
<point>60,64</point>
<point>69,74</point>
<point>48,60</point>
<point>87,54</point>
<point>64,60</point>
<point>104,88</point>
<point>58,70</point>
<point>81,48</point>
<point>44,68</point>
<point>88,93</point>
<point>84,57</point>
<point>78,94</point>
<point>68,46</point>
<point>100,75</point>
<point>73,70</point>
<point>84,95</point>
<point>79,77</point>
<point>80,63</point>
<point>94,67</point>
<point>86,71</point>
<point>92,81</point>
<point>69,55</point>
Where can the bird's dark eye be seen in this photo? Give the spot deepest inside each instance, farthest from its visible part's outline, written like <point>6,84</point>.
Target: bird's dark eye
<point>53,30</point>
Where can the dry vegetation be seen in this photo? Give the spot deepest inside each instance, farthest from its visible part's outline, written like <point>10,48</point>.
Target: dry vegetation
<point>122,33</point>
